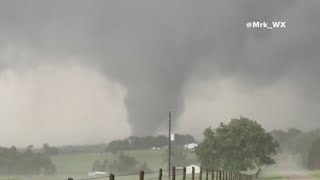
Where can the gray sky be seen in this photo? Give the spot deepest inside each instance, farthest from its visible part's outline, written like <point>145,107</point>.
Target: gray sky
<point>74,72</point>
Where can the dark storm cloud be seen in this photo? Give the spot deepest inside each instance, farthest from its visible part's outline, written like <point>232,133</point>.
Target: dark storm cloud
<point>154,47</point>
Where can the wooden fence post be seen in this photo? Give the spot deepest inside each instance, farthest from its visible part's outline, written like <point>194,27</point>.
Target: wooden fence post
<point>160,174</point>
<point>226,178</point>
<point>207,175</point>
<point>173,173</point>
<point>200,175</point>
<point>184,173</point>
<point>141,175</point>
<point>192,173</point>
<point>212,175</point>
<point>220,173</point>
<point>111,177</point>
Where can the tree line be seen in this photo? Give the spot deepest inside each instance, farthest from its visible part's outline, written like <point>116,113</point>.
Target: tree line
<point>148,142</point>
<point>27,162</point>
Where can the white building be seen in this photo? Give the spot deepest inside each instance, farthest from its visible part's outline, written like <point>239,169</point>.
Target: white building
<point>190,146</point>
<point>97,173</point>
<point>189,169</point>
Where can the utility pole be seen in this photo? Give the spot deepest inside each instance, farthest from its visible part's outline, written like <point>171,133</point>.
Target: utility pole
<point>169,147</point>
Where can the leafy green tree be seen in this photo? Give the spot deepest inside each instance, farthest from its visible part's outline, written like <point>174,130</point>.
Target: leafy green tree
<point>50,151</point>
<point>240,145</point>
<point>179,157</point>
<point>124,164</point>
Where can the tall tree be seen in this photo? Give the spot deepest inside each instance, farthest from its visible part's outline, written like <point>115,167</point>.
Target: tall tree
<point>179,157</point>
<point>124,164</point>
<point>240,145</point>
<point>48,150</point>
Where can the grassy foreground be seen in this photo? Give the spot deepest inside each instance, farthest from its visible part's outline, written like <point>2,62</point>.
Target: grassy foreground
<point>78,166</point>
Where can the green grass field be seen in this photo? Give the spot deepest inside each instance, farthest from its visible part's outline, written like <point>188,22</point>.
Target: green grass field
<point>82,163</point>
<point>78,166</point>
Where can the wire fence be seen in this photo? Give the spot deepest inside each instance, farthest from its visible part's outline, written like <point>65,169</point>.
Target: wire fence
<point>179,174</point>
